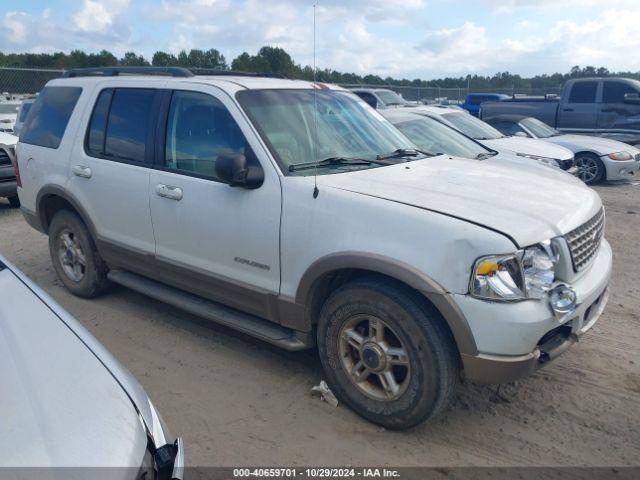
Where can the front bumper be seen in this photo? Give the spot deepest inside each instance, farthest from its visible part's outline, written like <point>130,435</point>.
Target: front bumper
<point>620,170</point>
<point>514,339</point>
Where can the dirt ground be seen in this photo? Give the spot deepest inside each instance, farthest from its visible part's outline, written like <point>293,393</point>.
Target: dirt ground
<point>237,401</point>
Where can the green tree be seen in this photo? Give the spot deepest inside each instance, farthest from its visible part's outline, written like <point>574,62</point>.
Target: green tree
<point>131,59</point>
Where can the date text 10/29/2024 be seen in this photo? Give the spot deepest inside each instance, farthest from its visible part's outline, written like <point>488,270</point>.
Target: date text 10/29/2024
<point>286,473</point>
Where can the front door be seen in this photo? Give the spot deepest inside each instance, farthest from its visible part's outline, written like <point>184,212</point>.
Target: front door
<point>212,239</point>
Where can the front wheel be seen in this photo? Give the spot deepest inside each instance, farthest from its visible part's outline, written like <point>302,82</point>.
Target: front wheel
<point>590,169</point>
<point>387,353</point>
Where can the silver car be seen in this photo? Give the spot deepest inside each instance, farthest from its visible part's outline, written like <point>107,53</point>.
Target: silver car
<point>66,402</point>
<point>597,158</point>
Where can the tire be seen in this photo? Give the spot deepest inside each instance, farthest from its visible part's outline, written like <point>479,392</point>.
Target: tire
<point>425,387</point>
<point>590,168</point>
<point>14,201</point>
<point>89,279</point>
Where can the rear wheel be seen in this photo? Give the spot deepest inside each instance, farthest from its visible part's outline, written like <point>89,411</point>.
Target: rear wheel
<point>386,352</point>
<point>14,201</point>
<point>75,257</point>
<point>590,169</point>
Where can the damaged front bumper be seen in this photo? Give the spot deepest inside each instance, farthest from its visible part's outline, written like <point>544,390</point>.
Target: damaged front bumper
<point>515,339</point>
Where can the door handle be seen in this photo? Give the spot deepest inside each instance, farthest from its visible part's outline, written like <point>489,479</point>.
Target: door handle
<point>567,109</point>
<point>169,191</point>
<point>81,171</point>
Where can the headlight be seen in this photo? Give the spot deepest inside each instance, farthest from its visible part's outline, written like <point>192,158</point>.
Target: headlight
<point>550,162</point>
<point>528,273</point>
<point>621,156</point>
<point>498,278</point>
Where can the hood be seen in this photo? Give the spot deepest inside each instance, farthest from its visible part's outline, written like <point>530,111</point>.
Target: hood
<point>62,406</point>
<point>599,145</point>
<point>529,146</point>
<point>8,139</point>
<point>528,203</point>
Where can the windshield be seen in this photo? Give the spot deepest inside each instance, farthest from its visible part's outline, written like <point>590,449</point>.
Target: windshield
<point>434,137</point>
<point>302,126</point>
<point>389,97</point>
<point>471,126</point>
<point>538,128</point>
<point>25,109</point>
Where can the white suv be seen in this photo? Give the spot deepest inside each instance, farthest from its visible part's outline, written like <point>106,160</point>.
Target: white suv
<point>294,212</point>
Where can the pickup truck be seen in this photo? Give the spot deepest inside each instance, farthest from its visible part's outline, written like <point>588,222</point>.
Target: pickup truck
<point>606,107</point>
<point>473,101</point>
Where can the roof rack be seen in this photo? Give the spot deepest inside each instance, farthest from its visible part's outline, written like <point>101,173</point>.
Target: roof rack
<point>168,71</point>
<point>234,73</point>
<point>115,71</point>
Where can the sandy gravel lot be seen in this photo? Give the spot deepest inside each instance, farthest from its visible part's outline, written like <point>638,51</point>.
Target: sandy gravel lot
<point>238,401</point>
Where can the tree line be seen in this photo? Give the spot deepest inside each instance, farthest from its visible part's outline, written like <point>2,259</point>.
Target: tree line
<point>275,60</point>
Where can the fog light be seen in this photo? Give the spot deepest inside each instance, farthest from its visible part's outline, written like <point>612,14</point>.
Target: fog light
<point>562,299</point>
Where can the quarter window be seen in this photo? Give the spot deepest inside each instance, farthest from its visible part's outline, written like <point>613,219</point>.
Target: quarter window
<point>199,130</point>
<point>583,92</point>
<point>49,116</point>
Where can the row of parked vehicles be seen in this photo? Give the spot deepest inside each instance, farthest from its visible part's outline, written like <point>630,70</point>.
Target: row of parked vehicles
<point>412,248</point>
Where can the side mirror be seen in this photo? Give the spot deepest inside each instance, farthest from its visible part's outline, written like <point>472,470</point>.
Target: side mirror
<point>237,172</point>
<point>520,134</point>
<point>633,98</point>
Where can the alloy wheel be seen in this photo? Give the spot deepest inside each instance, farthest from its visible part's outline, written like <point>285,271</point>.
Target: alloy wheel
<point>374,358</point>
<point>71,256</point>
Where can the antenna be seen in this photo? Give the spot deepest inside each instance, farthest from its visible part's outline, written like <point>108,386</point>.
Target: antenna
<point>315,109</point>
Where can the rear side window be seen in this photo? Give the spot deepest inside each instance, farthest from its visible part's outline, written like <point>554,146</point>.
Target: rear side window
<point>583,92</point>
<point>120,124</point>
<point>508,128</point>
<point>369,98</point>
<point>477,100</point>
<point>49,116</point>
<point>614,92</point>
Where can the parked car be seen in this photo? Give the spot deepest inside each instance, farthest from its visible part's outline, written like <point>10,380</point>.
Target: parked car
<point>494,139</point>
<point>473,101</point>
<point>294,212</point>
<point>25,106</point>
<point>66,401</point>
<point>597,159</point>
<point>380,98</point>
<point>8,114</point>
<point>604,107</point>
<point>435,137</point>
<point>7,171</point>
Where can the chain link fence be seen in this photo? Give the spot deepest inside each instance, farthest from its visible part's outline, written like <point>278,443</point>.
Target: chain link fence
<point>19,82</point>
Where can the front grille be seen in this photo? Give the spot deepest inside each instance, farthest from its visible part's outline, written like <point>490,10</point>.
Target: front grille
<point>585,240</point>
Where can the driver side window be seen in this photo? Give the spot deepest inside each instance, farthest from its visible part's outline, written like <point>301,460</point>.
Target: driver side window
<point>199,130</point>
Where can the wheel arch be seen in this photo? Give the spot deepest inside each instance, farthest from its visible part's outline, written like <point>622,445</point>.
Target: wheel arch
<point>330,272</point>
<point>51,199</point>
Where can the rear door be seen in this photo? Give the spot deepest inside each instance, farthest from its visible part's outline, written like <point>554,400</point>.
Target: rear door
<point>218,241</point>
<point>579,112</point>
<point>616,117</point>
<point>110,170</point>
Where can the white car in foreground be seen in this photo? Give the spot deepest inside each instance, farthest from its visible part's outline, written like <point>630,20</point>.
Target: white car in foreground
<point>294,212</point>
<point>496,140</point>
<point>69,408</point>
<point>597,158</point>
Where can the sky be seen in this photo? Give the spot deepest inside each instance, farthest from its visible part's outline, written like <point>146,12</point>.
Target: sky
<point>399,38</point>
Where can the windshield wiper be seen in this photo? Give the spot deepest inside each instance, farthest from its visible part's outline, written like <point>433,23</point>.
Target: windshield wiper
<point>403,152</point>
<point>327,162</point>
<point>484,155</point>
